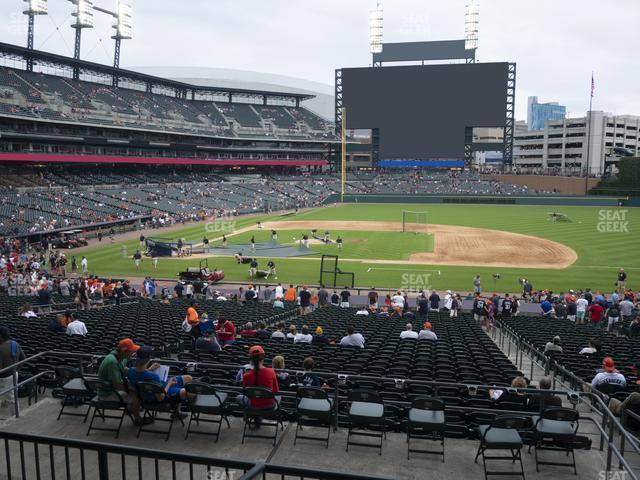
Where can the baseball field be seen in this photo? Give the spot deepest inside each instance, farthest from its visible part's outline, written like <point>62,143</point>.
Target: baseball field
<point>456,243</point>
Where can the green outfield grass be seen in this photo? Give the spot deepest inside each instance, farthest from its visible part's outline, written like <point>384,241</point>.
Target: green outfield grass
<point>600,252</point>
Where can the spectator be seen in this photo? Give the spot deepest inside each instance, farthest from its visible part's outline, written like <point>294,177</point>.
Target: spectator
<point>260,376</point>
<point>278,303</point>
<point>592,347</point>
<point>10,354</point>
<point>76,327</point>
<point>319,338</point>
<point>613,316</point>
<point>633,330</point>
<point>284,379</point>
<point>291,294</point>
<point>423,305</point>
<point>626,309</point>
<point>397,302</point>
<point>304,337</point>
<point>408,332</point>
<point>308,377</point>
<point>373,299</point>
<point>362,311</point>
<point>57,324</point>
<point>226,332</point>
<point>581,309</point>
<point>278,334</point>
<point>426,333</point>
<point>305,300</point>
<point>323,297</point>
<point>173,387</point>
<point>511,396</point>
<point>208,343</point>
<point>538,402</point>
<point>553,346</point>
<point>192,319</point>
<point>248,330</point>
<point>547,308</point>
<point>26,311</point>
<point>293,331</point>
<point>434,301</point>
<point>262,333</point>
<point>609,375</point>
<point>345,296</point>
<point>352,339</point>
<point>113,369</point>
<point>335,299</point>
<point>596,312</point>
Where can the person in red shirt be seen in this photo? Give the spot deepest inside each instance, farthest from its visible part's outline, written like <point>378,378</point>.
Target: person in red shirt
<point>226,332</point>
<point>596,312</point>
<point>259,376</point>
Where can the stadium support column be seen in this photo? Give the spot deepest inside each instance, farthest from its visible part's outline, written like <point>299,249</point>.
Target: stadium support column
<point>509,124</point>
<point>116,61</point>
<point>468,148</point>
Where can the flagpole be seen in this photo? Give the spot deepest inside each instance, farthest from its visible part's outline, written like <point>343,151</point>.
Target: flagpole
<point>589,119</point>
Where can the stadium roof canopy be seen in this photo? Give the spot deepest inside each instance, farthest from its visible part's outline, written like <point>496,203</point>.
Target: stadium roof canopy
<point>106,74</point>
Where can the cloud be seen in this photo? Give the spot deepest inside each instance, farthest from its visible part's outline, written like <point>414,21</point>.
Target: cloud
<point>555,44</point>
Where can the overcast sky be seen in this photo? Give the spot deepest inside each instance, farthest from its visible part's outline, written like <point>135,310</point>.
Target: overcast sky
<point>555,43</point>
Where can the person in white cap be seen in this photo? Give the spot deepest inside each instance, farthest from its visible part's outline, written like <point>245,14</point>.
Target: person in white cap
<point>448,300</point>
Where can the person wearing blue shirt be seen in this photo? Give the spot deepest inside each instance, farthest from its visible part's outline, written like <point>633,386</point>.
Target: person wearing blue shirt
<point>173,387</point>
<point>547,308</point>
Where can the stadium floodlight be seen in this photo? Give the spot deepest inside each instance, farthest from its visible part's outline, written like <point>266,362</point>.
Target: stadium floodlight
<point>83,13</point>
<point>375,29</point>
<point>124,23</point>
<point>36,7</point>
<point>471,19</point>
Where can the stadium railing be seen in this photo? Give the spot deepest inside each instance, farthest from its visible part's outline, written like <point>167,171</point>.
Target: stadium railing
<point>94,457</point>
<point>608,427</point>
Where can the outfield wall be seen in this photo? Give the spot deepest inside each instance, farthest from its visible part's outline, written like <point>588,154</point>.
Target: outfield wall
<point>563,200</point>
<point>549,183</point>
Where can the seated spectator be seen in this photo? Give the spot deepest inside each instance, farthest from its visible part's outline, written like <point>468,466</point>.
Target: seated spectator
<point>408,332</point>
<point>308,377</point>
<point>262,333</point>
<point>543,400</point>
<point>26,311</point>
<point>248,330</point>
<point>426,333</point>
<point>278,303</point>
<point>352,339</point>
<point>506,396</point>
<point>284,379</point>
<point>633,330</point>
<point>260,376</point>
<point>208,343</point>
<point>609,375</point>
<point>362,311</point>
<point>113,369</point>
<point>206,324</point>
<point>226,332</point>
<point>593,346</point>
<point>173,387</point>
<point>57,324</point>
<point>553,346</point>
<point>240,374</point>
<point>319,338</point>
<point>278,333</point>
<point>304,337</point>
<point>76,327</point>
<point>632,402</point>
<point>293,331</point>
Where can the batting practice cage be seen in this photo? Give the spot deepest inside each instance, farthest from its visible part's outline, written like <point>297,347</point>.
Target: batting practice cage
<point>414,221</point>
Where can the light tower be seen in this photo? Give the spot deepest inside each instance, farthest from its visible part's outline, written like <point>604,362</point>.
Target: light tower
<point>124,29</point>
<point>376,19</point>
<point>33,8</point>
<point>84,19</point>
<point>471,19</point>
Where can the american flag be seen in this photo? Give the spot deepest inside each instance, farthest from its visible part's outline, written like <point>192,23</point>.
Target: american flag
<point>593,86</point>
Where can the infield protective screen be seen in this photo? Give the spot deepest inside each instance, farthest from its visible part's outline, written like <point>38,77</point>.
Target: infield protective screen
<point>422,111</point>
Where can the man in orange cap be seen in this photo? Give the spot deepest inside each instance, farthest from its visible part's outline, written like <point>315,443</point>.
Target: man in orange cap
<point>113,370</point>
<point>426,333</point>
<point>609,375</point>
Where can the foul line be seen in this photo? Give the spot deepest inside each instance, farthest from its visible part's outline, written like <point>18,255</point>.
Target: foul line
<point>401,269</point>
